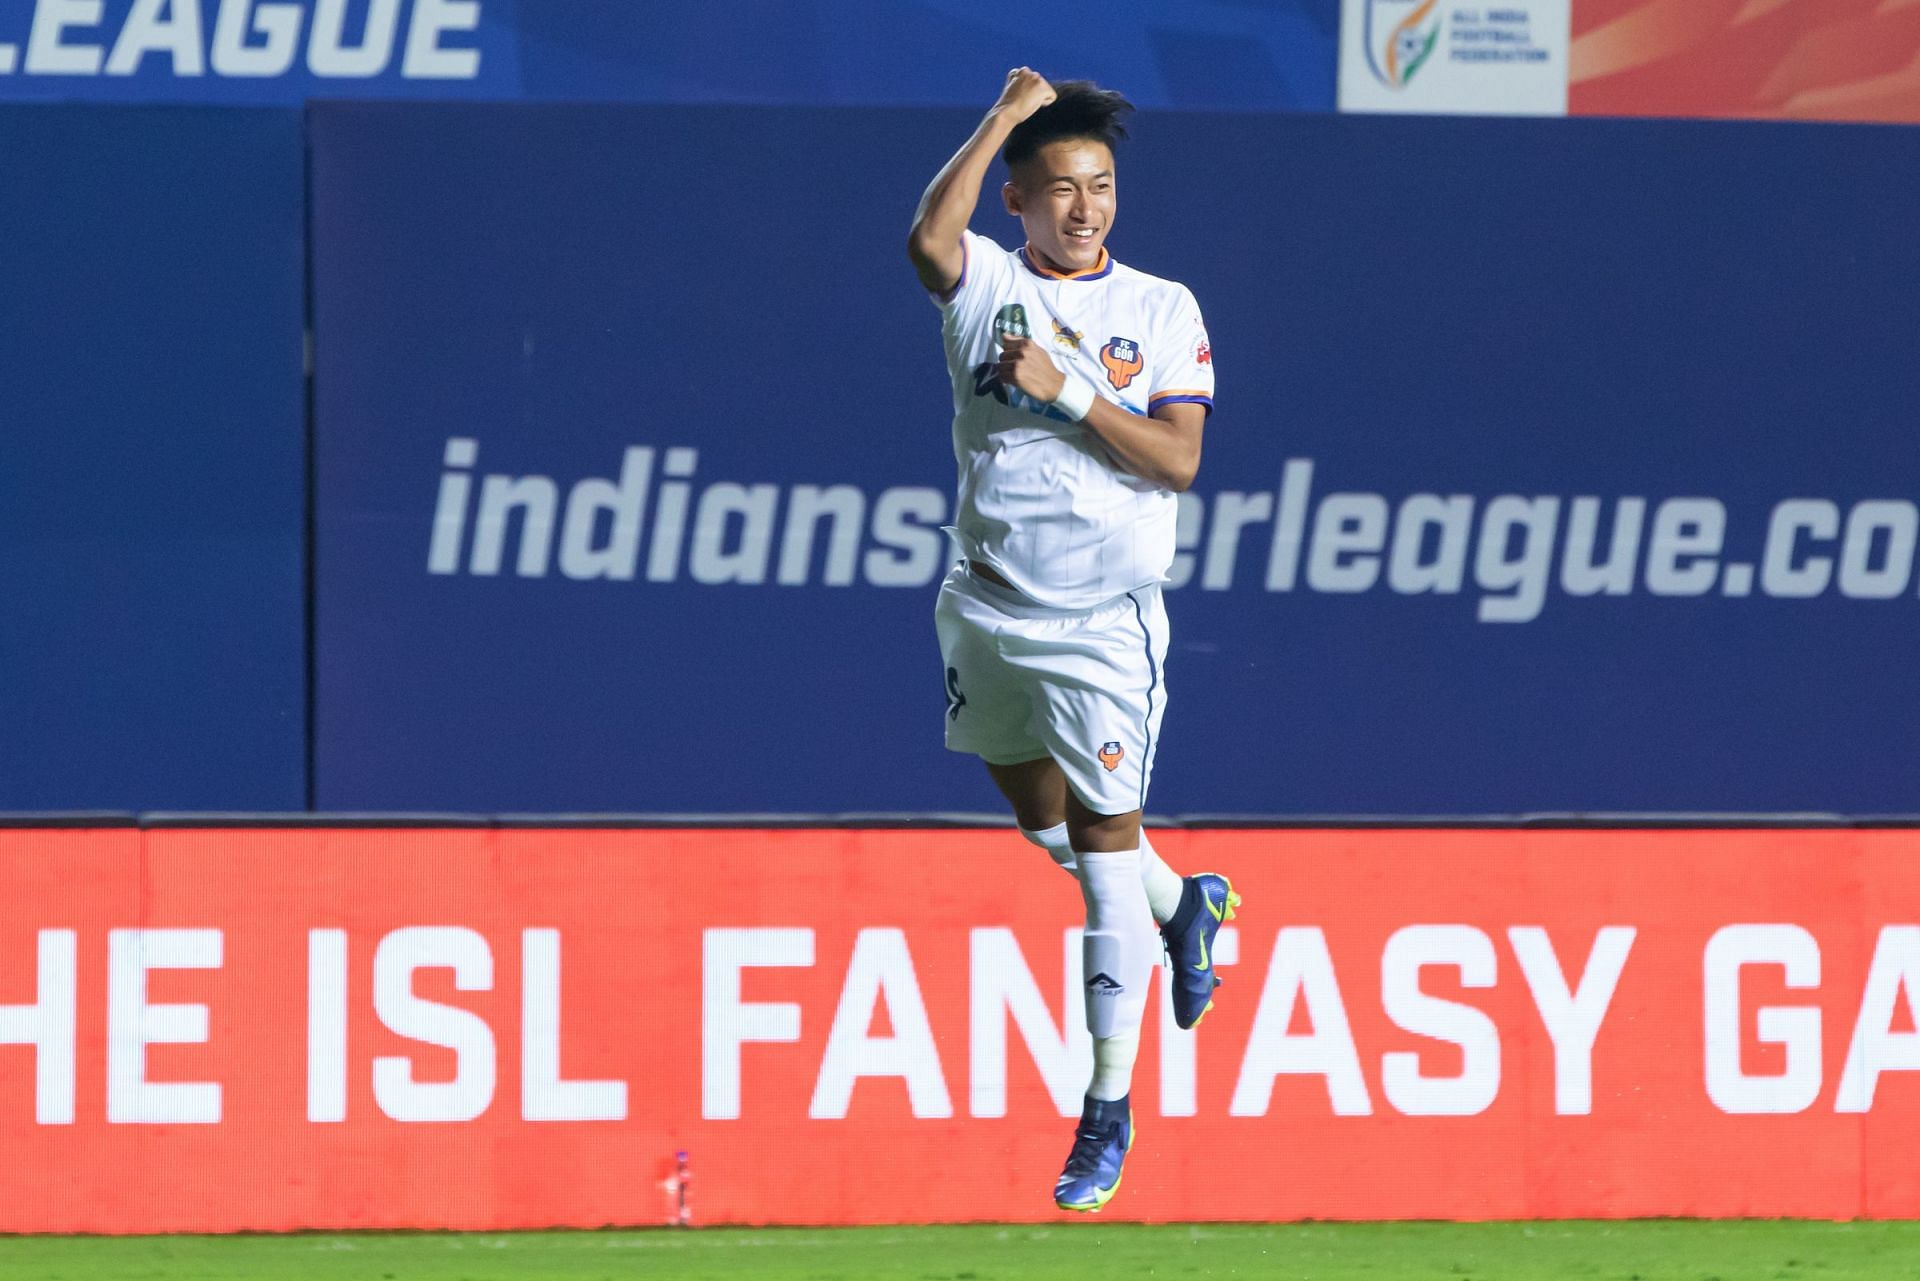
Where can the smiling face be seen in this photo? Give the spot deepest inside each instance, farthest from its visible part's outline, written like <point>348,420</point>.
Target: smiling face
<point>1064,196</point>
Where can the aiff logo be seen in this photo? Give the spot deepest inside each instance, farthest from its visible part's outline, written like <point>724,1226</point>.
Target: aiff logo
<point>1401,36</point>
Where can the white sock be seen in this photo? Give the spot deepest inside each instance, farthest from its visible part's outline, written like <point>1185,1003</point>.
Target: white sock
<point>1054,841</point>
<point>1113,1065</point>
<point>1117,956</point>
<point>1162,882</point>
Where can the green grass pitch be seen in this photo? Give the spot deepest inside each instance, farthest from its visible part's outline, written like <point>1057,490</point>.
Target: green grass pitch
<point>1623,1251</point>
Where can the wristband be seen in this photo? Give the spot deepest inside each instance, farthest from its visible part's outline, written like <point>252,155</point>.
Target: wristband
<point>1075,399</point>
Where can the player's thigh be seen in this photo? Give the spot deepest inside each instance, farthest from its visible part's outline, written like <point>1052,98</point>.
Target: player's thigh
<point>989,709</point>
<point>1102,695</point>
<point>1035,789</point>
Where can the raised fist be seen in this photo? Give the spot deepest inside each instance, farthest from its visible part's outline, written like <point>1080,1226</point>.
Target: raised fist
<point>1026,92</point>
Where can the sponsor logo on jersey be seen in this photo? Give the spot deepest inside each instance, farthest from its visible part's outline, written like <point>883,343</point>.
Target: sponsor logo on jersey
<point>1202,352</point>
<point>1121,356</point>
<point>987,382</point>
<point>1111,754</point>
<point>1011,322</point>
<point>1066,339</point>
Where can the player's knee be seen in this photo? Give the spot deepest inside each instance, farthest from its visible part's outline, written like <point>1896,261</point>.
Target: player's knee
<point>1101,833</point>
<point>1037,817</point>
<point>1033,807</point>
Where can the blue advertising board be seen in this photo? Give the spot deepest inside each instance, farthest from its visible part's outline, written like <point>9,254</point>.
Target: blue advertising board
<point>1558,466</point>
<point>152,460</point>
<point>1219,54</point>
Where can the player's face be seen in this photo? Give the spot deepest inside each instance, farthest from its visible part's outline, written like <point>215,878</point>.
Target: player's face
<point>1064,197</point>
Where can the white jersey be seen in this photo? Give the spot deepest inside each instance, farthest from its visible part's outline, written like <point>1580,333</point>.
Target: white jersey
<point>1041,501</point>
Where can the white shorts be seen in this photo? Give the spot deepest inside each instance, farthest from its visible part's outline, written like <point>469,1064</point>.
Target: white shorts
<point>1086,687</point>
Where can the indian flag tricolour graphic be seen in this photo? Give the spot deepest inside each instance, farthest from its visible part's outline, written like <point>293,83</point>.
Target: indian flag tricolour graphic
<point>1400,37</point>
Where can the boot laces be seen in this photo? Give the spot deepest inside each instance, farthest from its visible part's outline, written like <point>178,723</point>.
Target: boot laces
<point>1090,1139</point>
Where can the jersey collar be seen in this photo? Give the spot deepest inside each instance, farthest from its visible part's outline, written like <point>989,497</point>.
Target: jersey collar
<point>1099,270</point>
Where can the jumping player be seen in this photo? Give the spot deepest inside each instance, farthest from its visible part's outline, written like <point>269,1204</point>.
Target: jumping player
<point>1080,388</point>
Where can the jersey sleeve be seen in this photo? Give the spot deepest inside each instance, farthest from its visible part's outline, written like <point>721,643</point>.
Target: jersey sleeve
<point>983,280</point>
<point>1183,359</point>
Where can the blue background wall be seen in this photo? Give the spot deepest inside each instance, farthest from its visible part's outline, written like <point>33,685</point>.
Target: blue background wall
<point>1475,308</point>
<point>152,460</point>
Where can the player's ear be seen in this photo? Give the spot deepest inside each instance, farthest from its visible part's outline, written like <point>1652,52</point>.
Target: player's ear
<point>1010,196</point>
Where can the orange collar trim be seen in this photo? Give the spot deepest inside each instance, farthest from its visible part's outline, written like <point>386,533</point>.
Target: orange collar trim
<point>1099,268</point>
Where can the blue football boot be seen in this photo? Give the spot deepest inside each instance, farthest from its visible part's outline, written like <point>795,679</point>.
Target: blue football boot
<point>1100,1144</point>
<point>1206,901</point>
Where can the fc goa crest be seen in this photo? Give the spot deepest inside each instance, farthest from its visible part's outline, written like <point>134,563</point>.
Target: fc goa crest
<point>1111,755</point>
<point>1121,356</point>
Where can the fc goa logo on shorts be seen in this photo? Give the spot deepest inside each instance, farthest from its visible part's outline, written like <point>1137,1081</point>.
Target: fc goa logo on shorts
<point>1121,356</point>
<point>1111,755</point>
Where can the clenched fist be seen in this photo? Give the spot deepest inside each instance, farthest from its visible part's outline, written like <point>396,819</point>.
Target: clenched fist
<point>1024,365</point>
<point>1026,92</point>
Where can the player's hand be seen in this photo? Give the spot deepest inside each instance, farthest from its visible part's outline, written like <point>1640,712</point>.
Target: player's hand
<point>1026,92</point>
<point>1024,365</point>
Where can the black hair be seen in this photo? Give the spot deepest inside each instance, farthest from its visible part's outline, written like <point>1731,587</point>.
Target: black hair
<point>1080,109</point>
